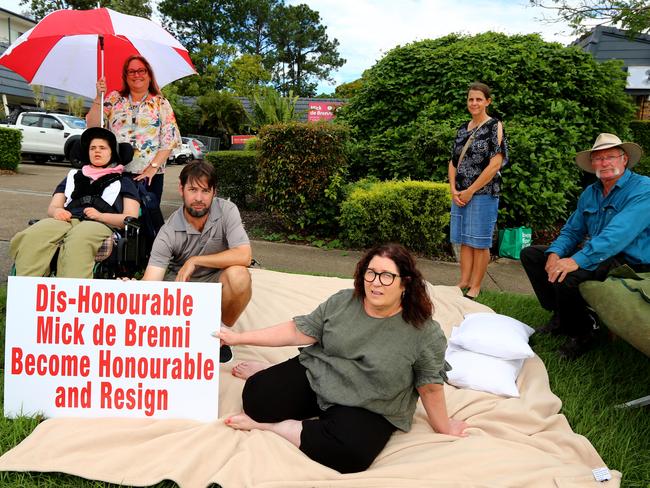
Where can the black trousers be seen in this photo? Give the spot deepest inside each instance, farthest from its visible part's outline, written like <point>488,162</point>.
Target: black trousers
<point>564,298</point>
<point>347,439</point>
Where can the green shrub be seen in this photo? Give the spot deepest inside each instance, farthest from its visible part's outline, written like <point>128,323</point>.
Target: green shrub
<point>413,213</point>
<point>553,100</point>
<point>641,135</point>
<point>251,144</point>
<point>302,171</point>
<point>269,107</point>
<point>236,174</point>
<point>10,148</point>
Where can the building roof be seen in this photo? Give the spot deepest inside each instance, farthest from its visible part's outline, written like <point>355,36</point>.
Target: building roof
<point>605,43</point>
<point>20,16</point>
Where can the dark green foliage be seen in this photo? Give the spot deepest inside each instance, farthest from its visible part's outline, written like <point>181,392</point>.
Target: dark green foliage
<point>269,107</point>
<point>302,169</point>
<point>631,15</point>
<point>413,213</point>
<point>236,174</point>
<point>221,114</point>
<point>10,148</point>
<point>303,50</point>
<point>641,135</point>
<point>40,8</point>
<point>554,101</point>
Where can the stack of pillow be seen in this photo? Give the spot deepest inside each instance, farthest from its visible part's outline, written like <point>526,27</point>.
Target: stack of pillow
<point>487,352</point>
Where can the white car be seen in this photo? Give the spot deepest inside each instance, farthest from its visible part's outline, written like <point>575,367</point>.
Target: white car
<point>180,155</point>
<point>49,136</point>
<point>196,146</point>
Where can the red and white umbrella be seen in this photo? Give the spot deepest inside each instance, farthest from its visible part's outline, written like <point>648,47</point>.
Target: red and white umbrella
<point>64,50</point>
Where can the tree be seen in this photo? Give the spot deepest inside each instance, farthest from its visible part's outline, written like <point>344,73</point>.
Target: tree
<point>250,27</point>
<point>303,49</point>
<point>211,62</point>
<point>188,116</point>
<point>290,41</point>
<point>195,23</point>
<point>37,90</point>
<point>75,105</point>
<point>348,90</point>
<point>40,8</point>
<point>52,104</point>
<point>554,100</point>
<point>221,114</point>
<point>631,15</point>
<point>246,75</point>
<point>269,107</point>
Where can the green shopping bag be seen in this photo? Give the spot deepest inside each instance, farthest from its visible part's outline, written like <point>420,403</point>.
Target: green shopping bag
<point>513,240</point>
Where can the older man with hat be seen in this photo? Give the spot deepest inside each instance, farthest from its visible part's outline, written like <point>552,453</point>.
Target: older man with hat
<point>609,228</point>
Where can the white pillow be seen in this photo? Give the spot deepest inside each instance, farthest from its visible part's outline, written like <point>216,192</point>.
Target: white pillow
<point>482,372</point>
<point>494,334</point>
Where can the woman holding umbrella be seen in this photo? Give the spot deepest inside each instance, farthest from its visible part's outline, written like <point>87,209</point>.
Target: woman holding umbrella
<point>140,115</point>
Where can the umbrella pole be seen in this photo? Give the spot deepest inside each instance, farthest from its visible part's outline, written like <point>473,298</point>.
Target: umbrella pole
<point>101,97</point>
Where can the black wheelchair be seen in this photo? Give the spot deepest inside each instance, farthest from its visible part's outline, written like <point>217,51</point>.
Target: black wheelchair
<point>125,253</point>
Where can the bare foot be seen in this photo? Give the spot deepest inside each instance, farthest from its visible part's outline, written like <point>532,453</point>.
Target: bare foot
<point>241,421</point>
<point>246,369</point>
<point>289,429</point>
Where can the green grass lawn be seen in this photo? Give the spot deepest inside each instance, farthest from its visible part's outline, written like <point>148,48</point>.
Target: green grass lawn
<point>589,387</point>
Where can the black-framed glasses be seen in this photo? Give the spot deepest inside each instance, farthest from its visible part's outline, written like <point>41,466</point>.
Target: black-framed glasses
<point>139,72</point>
<point>386,278</point>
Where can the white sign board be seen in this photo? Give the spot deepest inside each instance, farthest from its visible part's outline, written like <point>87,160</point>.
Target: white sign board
<point>108,348</point>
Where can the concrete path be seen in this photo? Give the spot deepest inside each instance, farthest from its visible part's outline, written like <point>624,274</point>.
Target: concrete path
<point>25,195</point>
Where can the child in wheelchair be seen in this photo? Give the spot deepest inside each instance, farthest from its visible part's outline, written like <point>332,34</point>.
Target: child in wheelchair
<point>85,209</point>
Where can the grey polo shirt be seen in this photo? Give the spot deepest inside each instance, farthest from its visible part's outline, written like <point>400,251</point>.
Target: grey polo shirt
<point>178,240</point>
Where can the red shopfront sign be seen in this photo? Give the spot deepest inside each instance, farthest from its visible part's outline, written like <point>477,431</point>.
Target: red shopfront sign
<point>241,139</point>
<point>322,111</point>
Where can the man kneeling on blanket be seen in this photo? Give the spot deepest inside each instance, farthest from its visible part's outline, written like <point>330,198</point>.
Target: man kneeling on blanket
<point>610,227</point>
<point>205,241</point>
<point>371,351</point>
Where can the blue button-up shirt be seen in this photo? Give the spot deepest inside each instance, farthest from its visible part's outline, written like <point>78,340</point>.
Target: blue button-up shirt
<point>609,225</point>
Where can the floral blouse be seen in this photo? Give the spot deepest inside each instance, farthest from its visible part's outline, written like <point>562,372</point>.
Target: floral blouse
<point>149,126</point>
<point>477,157</point>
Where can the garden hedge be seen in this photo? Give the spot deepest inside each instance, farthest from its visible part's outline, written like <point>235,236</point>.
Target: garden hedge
<point>302,172</point>
<point>553,101</point>
<point>413,213</point>
<point>10,148</point>
<point>236,175</point>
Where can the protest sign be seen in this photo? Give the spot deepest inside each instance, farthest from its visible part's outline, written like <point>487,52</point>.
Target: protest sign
<point>108,348</point>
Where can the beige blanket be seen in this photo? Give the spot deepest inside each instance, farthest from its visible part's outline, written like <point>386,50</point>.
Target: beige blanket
<point>515,442</point>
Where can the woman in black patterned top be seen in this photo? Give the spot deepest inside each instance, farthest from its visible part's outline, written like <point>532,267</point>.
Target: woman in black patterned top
<point>480,151</point>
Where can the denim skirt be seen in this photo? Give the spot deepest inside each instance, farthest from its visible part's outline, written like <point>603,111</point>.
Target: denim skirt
<point>473,224</point>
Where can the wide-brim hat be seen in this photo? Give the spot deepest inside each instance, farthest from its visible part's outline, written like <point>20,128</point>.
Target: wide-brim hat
<point>608,141</point>
<point>98,133</point>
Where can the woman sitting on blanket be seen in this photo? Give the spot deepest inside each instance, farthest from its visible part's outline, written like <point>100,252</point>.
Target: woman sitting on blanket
<point>84,209</point>
<point>372,350</point>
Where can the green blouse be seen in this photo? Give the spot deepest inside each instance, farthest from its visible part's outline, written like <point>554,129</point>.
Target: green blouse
<point>372,363</point>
